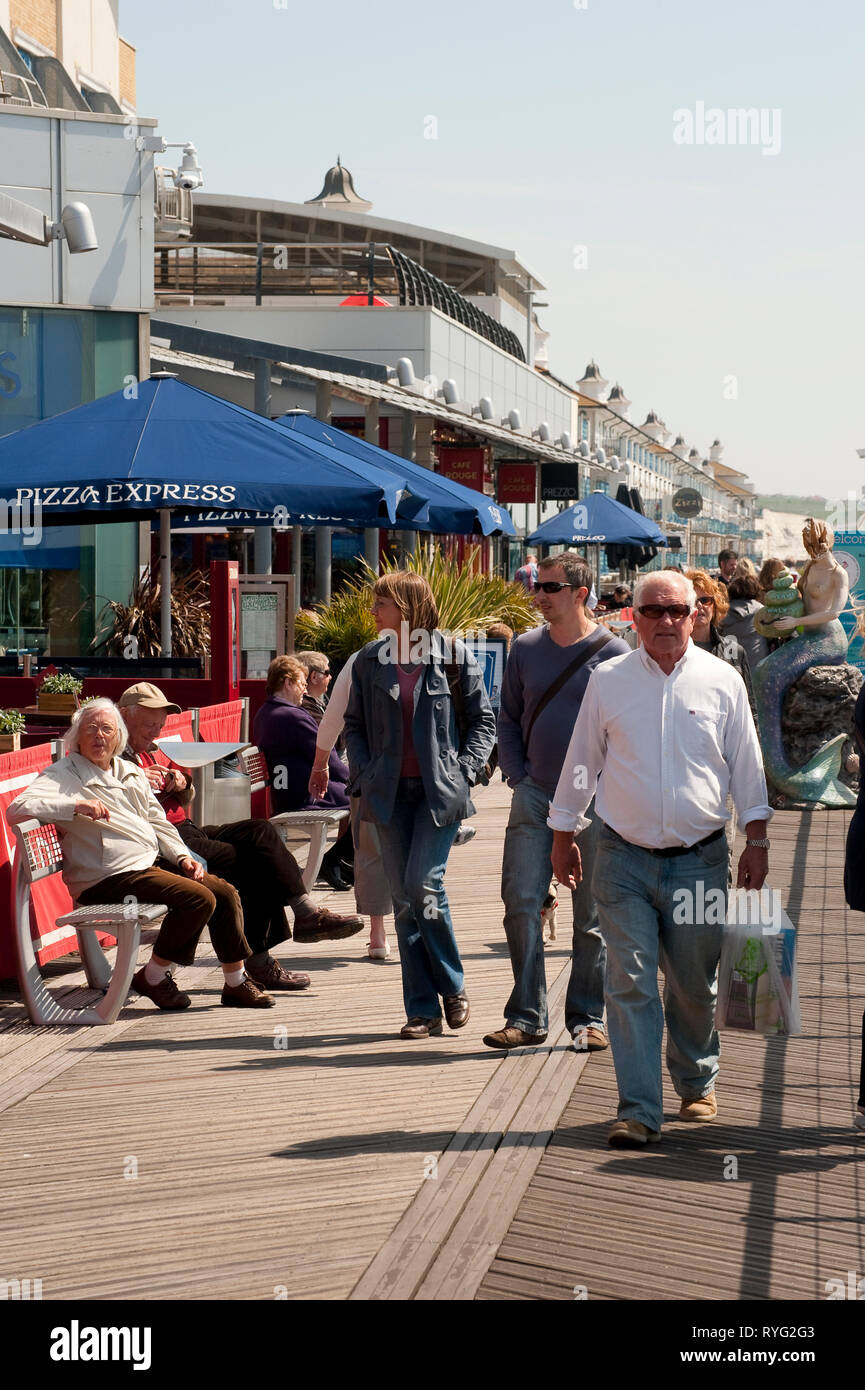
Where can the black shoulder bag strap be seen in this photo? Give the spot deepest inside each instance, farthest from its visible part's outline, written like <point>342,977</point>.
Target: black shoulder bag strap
<point>600,639</point>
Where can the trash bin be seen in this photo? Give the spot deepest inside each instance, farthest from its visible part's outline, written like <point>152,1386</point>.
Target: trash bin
<point>222,788</point>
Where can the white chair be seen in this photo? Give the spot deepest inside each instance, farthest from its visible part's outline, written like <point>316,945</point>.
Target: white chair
<point>39,855</point>
<point>315,824</point>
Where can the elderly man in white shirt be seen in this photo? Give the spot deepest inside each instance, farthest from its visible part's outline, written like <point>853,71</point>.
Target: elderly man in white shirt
<point>670,728</point>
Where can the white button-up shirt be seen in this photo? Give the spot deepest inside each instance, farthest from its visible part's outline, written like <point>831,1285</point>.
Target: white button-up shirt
<point>670,749</point>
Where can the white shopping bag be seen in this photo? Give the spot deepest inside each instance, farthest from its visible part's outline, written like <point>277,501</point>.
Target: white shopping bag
<point>758,989</point>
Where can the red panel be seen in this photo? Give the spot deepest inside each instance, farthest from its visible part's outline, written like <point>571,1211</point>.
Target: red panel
<point>464,465</point>
<point>220,723</point>
<point>518,482</point>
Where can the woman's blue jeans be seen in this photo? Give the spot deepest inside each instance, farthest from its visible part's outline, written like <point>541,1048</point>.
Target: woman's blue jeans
<point>414,852</point>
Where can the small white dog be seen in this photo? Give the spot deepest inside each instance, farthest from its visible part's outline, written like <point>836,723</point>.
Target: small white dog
<point>549,914</point>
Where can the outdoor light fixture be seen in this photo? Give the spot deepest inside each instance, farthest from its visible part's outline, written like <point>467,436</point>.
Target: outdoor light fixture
<point>21,222</point>
<point>405,371</point>
<point>542,432</point>
<point>565,441</point>
<point>450,391</point>
<point>484,408</point>
<point>583,450</point>
<point>513,419</point>
<point>600,456</point>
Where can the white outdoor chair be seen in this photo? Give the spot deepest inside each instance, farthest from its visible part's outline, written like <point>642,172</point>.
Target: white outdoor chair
<point>315,824</point>
<point>39,855</point>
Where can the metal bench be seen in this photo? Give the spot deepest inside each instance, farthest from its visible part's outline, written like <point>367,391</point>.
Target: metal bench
<point>40,854</point>
<point>315,824</point>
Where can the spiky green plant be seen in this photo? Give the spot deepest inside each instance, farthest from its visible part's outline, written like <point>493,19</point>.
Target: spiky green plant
<point>140,619</point>
<point>467,601</point>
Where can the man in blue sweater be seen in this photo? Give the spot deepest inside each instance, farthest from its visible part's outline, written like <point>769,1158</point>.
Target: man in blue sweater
<point>545,679</point>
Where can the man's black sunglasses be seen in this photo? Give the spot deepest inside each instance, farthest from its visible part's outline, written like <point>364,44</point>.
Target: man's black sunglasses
<point>677,611</point>
<point>553,586</point>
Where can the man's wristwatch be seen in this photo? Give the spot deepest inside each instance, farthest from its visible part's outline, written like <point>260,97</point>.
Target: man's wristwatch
<point>758,844</point>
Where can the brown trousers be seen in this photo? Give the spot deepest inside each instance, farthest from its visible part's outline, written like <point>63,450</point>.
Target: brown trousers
<point>191,907</point>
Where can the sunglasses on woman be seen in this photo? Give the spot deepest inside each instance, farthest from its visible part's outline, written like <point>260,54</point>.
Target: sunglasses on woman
<point>705,598</point>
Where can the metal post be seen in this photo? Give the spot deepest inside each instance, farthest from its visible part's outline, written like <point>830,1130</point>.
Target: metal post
<point>370,275</point>
<point>409,436</point>
<point>323,400</point>
<point>165,579</point>
<point>371,533</point>
<point>296,554</point>
<point>263,541</point>
<point>323,565</point>
<point>259,259</point>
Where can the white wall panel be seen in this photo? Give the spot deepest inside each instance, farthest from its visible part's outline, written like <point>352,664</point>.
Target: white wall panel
<point>25,153</point>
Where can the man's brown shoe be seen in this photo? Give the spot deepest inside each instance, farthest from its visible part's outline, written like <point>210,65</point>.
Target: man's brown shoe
<point>514,1037</point>
<point>246,995</point>
<point>165,995</point>
<point>632,1134</point>
<point>700,1110</point>
<point>325,925</point>
<point>590,1039</point>
<point>273,976</point>
<point>421,1028</point>
<point>457,1009</point>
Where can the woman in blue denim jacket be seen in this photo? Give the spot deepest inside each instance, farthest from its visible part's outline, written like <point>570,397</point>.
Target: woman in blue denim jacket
<point>413,769</point>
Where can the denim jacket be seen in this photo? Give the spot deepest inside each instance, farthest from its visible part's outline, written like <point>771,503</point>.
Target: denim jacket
<point>374,733</point>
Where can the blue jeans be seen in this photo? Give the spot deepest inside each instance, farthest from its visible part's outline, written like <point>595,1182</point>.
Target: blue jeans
<point>414,851</point>
<point>650,911</point>
<point>526,874</point>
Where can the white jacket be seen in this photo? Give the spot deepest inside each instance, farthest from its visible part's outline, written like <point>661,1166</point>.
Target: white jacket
<point>134,838</point>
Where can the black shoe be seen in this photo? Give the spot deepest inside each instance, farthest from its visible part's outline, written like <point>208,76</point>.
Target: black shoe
<point>332,876</point>
<point>346,868</point>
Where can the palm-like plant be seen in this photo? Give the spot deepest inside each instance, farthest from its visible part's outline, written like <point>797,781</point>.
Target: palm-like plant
<point>140,618</point>
<point>467,601</point>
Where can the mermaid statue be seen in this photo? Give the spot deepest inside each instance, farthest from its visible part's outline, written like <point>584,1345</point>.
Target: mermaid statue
<point>810,616</point>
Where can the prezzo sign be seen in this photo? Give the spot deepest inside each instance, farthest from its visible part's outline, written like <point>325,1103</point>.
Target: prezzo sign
<point>560,482</point>
<point>687,502</point>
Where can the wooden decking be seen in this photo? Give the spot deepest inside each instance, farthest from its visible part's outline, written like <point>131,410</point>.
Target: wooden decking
<point>306,1152</point>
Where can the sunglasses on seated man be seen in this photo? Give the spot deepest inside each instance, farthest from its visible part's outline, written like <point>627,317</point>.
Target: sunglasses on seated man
<point>553,586</point>
<point>677,611</point>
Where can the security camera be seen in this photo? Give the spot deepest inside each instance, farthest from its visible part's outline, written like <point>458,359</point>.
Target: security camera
<point>76,226</point>
<point>189,176</point>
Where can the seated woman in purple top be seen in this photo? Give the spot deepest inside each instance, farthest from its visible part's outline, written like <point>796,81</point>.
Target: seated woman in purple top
<point>286,735</point>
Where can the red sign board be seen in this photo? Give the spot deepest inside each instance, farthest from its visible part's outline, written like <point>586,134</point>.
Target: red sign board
<point>465,466</point>
<point>518,482</point>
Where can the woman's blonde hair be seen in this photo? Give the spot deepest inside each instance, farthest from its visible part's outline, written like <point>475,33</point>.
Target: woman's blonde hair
<point>705,584</point>
<point>413,597</point>
<point>281,669</point>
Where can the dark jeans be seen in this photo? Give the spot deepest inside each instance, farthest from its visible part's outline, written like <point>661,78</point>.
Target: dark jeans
<point>250,854</point>
<point>191,907</point>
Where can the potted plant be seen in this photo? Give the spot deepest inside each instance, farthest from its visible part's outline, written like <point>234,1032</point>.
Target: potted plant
<point>11,725</point>
<point>59,693</point>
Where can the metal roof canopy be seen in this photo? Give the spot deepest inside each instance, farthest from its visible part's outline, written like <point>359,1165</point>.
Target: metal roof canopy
<point>198,347</point>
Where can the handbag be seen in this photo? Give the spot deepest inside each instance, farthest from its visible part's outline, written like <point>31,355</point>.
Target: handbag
<point>452,672</point>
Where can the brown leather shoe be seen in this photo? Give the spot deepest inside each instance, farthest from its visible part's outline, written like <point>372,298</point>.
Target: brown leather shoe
<point>273,976</point>
<point>421,1028</point>
<point>632,1134</point>
<point>325,925</point>
<point>514,1037</point>
<point>590,1039</point>
<point>165,995</point>
<point>700,1110</point>
<point>246,995</point>
<point>457,1009</point>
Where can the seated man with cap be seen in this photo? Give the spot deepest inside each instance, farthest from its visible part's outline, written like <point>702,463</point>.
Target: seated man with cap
<point>249,854</point>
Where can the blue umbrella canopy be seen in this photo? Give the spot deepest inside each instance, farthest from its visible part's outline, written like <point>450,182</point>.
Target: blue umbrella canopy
<point>170,445</point>
<point>453,508</point>
<point>598,520</point>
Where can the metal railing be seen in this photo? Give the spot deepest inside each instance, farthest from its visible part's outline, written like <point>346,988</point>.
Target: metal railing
<point>17,90</point>
<point>216,272</point>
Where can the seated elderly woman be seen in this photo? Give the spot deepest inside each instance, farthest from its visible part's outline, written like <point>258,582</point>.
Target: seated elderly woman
<point>286,734</point>
<point>117,843</point>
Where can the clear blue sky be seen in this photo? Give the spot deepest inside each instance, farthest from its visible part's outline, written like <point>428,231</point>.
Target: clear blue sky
<point>555,131</point>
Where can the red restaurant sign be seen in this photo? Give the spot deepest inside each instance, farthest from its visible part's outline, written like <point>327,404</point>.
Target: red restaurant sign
<point>518,482</point>
<point>465,466</point>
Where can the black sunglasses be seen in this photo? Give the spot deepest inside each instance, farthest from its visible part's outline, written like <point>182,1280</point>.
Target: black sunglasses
<point>552,586</point>
<point>677,611</point>
<point>705,598</point>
